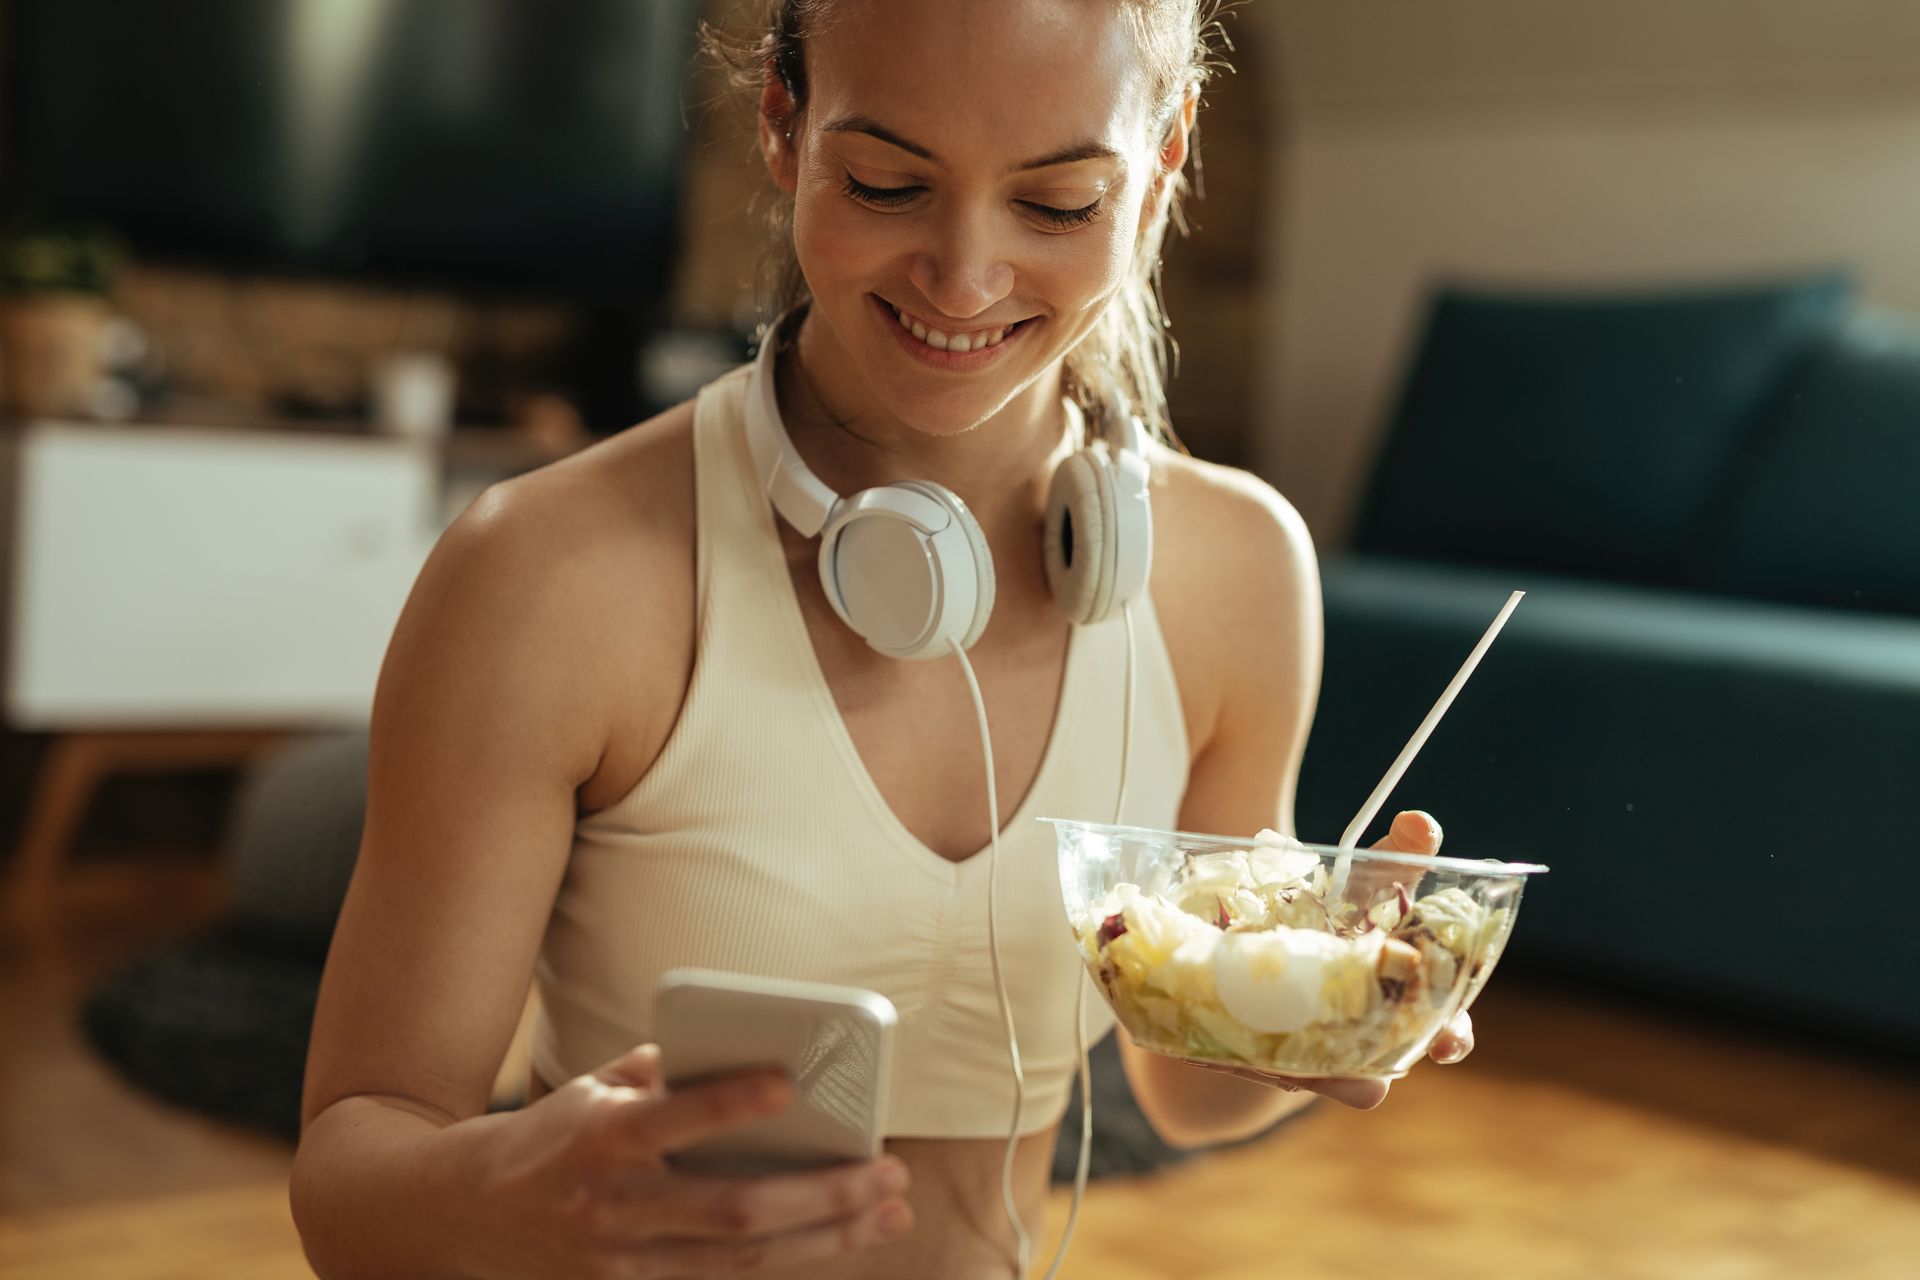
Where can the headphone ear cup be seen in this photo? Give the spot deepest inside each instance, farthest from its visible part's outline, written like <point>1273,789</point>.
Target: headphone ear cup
<point>978,558</point>
<point>907,567</point>
<point>989,582</point>
<point>1080,537</point>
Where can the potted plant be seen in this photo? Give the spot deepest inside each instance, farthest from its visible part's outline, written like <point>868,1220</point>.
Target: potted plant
<point>54,313</point>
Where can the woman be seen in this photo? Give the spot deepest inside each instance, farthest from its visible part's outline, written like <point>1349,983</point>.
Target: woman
<point>620,727</point>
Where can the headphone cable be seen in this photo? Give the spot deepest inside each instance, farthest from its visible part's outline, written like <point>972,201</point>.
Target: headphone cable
<point>1022,1247</point>
<point>1080,993</point>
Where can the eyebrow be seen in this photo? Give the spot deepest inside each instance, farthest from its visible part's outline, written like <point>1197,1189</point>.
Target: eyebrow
<point>1088,150</point>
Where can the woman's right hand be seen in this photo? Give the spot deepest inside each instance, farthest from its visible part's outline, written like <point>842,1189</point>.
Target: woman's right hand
<point>578,1184</point>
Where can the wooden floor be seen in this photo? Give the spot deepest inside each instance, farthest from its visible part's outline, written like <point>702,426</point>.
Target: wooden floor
<point>1580,1142</point>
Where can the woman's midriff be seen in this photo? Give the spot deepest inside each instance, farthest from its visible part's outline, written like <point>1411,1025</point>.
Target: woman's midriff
<point>960,1229</point>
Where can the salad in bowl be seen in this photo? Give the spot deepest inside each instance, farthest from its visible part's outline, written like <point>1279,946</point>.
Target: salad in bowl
<point>1298,959</point>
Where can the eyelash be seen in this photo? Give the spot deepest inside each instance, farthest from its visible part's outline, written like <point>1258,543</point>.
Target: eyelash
<point>889,197</point>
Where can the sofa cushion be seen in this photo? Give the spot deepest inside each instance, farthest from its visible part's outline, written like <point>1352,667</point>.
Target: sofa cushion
<point>1828,511</point>
<point>1582,433</point>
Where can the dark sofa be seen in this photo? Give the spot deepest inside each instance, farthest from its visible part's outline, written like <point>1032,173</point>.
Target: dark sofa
<point>1706,714</point>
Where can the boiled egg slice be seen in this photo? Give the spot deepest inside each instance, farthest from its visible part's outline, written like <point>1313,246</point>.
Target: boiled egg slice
<point>1272,980</point>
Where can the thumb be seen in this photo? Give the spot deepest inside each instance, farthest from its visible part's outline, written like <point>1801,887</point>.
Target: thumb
<point>637,1068</point>
<point>1413,831</point>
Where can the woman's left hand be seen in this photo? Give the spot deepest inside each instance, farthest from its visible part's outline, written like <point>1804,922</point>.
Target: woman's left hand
<point>1413,831</point>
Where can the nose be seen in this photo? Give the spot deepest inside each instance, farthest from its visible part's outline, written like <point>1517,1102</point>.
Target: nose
<point>964,274</point>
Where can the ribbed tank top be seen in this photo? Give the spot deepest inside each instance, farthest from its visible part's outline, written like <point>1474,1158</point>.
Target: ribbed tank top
<point>759,843</point>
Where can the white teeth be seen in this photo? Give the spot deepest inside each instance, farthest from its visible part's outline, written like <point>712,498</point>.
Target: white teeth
<point>951,342</point>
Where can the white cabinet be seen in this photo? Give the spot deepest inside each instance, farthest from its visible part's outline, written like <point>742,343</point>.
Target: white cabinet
<point>173,578</point>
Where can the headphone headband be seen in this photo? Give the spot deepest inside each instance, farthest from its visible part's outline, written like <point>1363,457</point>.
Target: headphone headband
<point>798,495</point>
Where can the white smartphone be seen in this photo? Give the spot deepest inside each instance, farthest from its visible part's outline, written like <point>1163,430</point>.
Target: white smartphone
<point>835,1043</point>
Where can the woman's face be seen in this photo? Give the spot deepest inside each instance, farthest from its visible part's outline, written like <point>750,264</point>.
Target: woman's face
<point>979,166</point>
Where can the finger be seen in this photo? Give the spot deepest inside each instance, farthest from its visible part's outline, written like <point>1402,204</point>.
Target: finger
<point>1413,831</point>
<point>670,1121</point>
<point>715,1257</point>
<point>637,1068</point>
<point>1359,1093</point>
<point>714,1207</point>
<point>1455,1040</point>
<point>1247,1073</point>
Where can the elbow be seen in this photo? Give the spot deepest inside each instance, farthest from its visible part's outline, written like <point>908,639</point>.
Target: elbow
<point>1198,1128</point>
<point>309,1217</point>
<point>1188,1140</point>
<point>1194,1137</point>
<point>313,1203</point>
<point>1187,1132</point>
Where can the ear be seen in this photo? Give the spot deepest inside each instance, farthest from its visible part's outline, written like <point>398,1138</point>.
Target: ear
<point>1172,156</point>
<point>779,122</point>
<point>1173,148</point>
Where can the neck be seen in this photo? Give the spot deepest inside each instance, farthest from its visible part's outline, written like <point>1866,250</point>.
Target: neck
<point>1000,467</point>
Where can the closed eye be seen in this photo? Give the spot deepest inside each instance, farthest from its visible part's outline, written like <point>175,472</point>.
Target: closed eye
<point>883,196</point>
<point>1066,217</point>
<point>894,197</point>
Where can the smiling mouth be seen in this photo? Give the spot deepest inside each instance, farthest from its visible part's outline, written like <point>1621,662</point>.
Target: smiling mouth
<point>941,340</point>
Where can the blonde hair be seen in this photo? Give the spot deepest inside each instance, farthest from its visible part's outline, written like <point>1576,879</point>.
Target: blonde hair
<point>1124,360</point>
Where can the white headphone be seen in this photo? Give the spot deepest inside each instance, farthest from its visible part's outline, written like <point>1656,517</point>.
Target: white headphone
<point>907,566</point>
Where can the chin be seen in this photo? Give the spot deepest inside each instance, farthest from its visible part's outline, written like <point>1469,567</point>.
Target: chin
<point>948,415</point>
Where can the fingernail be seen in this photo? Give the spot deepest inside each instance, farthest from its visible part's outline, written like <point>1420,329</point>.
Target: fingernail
<point>896,1179</point>
<point>894,1220</point>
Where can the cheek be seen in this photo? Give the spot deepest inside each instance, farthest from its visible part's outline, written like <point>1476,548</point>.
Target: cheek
<point>834,239</point>
<point>1078,274</point>
<point>1116,251</point>
<point>1086,267</point>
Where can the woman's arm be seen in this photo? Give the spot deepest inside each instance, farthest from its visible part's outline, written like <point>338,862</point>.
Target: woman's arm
<point>491,711</point>
<point>1247,569</point>
<point>1244,566</point>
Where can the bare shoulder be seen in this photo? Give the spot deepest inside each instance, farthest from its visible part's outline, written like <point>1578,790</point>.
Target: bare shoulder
<point>629,494</point>
<point>598,549</point>
<point>1235,583</point>
<point>1208,500</point>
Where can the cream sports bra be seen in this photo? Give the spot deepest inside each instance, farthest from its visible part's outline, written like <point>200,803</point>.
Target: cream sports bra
<point>759,843</point>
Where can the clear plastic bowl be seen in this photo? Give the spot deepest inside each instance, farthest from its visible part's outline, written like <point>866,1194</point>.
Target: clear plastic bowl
<point>1272,954</point>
